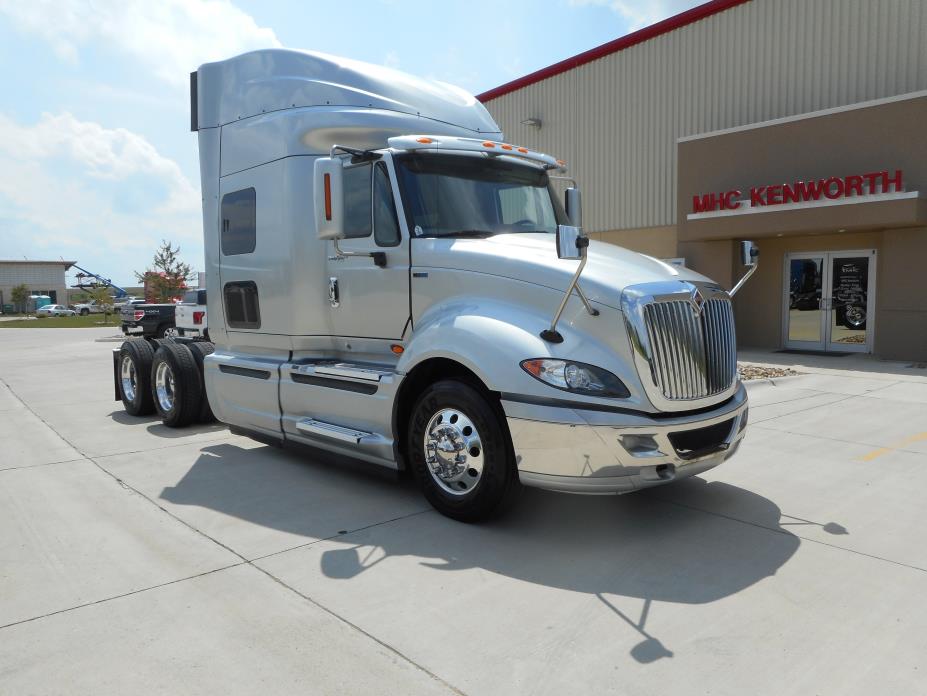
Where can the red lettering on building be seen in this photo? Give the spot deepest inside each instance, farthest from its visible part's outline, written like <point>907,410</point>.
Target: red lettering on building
<point>831,188</point>
<point>731,201</point>
<point>702,204</point>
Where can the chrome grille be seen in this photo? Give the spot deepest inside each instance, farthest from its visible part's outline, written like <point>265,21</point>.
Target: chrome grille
<point>692,355</point>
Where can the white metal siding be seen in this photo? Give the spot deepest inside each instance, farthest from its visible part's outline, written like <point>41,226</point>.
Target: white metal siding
<point>616,120</point>
<point>33,275</point>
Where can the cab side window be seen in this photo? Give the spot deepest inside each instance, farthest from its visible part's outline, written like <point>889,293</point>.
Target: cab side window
<point>356,187</point>
<point>239,222</point>
<point>385,222</point>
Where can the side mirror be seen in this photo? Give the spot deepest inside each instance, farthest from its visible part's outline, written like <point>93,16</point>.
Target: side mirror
<point>573,202</point>
<point>749,253</point>
<point>571,242</point>
<point>329,198</point>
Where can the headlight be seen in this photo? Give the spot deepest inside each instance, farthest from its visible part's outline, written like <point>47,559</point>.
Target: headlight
<point>576,377</point>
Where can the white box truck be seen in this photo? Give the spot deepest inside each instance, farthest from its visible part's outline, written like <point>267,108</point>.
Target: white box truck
<point>389,279</point>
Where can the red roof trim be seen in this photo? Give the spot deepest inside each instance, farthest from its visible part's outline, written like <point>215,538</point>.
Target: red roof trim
<point>667,25</point>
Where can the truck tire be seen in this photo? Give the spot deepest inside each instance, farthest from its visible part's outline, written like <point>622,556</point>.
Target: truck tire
<point>166,331</point>
<point>84,312</point>
<point>460,453</point>
<point>135,357</point>
<point>200,349</point>
<point>175,385</point>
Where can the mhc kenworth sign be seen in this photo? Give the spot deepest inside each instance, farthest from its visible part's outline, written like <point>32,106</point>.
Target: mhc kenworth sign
<point>831,188</point>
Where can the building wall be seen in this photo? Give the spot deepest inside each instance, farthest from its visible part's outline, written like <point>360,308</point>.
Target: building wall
<point>36,276</point>
<point>901,328</point>
<point>616,120</point>
<point>758,305</point>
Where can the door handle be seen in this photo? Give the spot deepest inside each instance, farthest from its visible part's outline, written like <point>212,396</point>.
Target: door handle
<point>333,297</point>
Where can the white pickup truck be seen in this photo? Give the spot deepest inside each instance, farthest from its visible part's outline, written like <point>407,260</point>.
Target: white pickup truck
<point>92,307</point>
<point>190,315</point>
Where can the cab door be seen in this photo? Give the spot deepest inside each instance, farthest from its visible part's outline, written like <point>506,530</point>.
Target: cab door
<point>369,300</point>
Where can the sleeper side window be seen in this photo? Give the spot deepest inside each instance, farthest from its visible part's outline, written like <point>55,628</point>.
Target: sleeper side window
<point>239,222</point>
<point>356,188</point>
<point>385,222</point>
<point>242,310</point>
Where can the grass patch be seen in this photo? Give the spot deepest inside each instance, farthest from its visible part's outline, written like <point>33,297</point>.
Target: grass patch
<point>78,322</point>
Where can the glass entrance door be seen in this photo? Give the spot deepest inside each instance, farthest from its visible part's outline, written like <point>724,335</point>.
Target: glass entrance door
<point>828,300</point>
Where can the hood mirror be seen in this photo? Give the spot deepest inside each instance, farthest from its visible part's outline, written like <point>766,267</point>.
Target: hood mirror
<point>571,242</point>
<point>749,257</point>
<point>749,253</point>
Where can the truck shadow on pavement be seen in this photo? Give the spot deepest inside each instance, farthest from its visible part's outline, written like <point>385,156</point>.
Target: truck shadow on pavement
<point>704,542</point>
<point>155,427</point>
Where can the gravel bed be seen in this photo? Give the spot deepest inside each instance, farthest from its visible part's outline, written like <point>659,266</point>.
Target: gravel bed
<point>748,372</point>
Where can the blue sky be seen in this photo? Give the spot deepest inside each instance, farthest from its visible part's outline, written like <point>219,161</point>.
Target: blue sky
<point>97,163</point>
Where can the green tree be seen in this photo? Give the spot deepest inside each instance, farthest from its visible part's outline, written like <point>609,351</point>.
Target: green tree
<point>101,296</point>
<point>20,295</point>
<point>167,275</point>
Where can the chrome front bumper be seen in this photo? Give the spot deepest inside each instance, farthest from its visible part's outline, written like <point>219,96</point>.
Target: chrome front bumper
<point>603,452</point>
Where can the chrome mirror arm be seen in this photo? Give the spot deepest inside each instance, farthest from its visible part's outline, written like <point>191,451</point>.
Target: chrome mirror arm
<point>742,280</point>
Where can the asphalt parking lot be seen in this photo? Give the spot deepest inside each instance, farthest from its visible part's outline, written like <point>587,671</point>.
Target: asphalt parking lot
<point>137,559</point>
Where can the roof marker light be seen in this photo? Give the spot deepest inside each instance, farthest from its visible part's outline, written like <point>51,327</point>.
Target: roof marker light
<point>488,143</point>
<point>523,150</point>
<point>506,147</point>
<point>424,141</point>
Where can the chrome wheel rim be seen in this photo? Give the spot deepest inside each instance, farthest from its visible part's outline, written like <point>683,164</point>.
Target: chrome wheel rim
<point>856,316</point>
<point>164,386</point>
<point>129,378</point>
<point>170,332</point>
<point>453,451</point>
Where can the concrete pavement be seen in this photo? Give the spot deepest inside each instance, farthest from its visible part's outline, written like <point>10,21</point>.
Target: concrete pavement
<point>138,558</point>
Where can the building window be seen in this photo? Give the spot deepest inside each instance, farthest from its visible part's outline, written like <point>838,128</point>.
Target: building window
<point>242,309</point>
<point>239,222</point>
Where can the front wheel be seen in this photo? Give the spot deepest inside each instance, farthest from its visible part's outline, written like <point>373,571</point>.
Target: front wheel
<point>84,312</point>
<point>459,453</point>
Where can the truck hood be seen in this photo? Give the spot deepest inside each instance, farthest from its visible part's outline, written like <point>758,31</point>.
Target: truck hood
<point>532,258</point>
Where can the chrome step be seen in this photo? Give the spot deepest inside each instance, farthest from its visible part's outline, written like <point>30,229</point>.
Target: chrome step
<point>310,426</point>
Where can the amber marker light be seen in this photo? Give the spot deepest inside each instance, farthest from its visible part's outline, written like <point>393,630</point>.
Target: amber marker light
<point>488,143</point>
<point>397,349</point>
<point>424,141</point>
<point>533,367</point>
<point>327,179</point>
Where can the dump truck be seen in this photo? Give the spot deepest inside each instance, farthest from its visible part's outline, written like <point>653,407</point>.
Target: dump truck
<point>390,280</point>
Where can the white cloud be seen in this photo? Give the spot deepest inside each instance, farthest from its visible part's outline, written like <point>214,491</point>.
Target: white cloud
<point>170,37</point>
<point>105,196</point>
<point>640,13</point>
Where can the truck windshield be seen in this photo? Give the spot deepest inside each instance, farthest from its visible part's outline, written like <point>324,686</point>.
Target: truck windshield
<point>475,196</point>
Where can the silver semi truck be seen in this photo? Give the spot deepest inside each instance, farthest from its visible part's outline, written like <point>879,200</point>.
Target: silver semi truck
<point>388,279</point>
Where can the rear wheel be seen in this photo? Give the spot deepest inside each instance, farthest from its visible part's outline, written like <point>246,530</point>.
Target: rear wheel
<point>460,454</point>
<point>135,357</point>
<point>199,350</point>
<point>175,385</point>
<point>84,312</point>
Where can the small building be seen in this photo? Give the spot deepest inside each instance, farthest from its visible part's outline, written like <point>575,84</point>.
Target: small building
<point>40,277</point>
<point>800,124</point>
